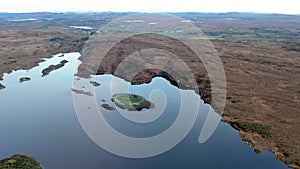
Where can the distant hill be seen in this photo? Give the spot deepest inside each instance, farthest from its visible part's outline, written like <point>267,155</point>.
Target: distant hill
<point>83,15</point>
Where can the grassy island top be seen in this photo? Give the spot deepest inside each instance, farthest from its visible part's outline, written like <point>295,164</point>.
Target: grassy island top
<point>18,161</point>
<point>130,101</point>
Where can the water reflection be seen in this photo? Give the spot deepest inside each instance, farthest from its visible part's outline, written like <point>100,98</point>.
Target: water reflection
<point>38,119</point>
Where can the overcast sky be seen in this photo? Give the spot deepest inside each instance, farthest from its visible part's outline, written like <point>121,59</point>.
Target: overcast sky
<point>264,6</point>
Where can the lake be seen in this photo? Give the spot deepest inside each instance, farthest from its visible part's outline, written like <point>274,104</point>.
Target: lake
<point>38,119</point>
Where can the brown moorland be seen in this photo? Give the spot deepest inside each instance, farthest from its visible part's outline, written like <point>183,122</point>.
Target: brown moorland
<point>260,55</point>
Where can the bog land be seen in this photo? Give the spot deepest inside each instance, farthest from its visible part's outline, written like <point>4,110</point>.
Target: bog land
<point>260,54</point>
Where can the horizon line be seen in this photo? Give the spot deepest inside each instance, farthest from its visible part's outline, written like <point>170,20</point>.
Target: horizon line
<point>211,12</point>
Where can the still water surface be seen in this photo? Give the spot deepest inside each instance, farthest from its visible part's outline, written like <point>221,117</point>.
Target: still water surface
<point>37,118</point>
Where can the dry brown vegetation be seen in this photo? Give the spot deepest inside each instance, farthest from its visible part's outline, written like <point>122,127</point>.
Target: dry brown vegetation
<point>263,88</point>
<point>261,59</point>
<point>23,49</point>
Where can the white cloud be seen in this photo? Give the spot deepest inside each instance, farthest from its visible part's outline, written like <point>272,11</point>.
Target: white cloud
<point>268,6</point>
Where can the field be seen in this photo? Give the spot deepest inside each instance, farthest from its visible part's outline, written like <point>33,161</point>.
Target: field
<point>260,54</point>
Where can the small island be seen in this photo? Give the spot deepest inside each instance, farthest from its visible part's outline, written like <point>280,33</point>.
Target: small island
<point>20,161</point>
<point>107,106</point>
<point>51,68</point>
<point>77,91</point>
<point>131,102</point>
<point>1,86</point>
<point>24,79</point>
<point>94,83</point>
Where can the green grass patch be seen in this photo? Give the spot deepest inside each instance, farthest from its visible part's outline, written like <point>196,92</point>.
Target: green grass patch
<point>131,99</point>
<point>19,162</point>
